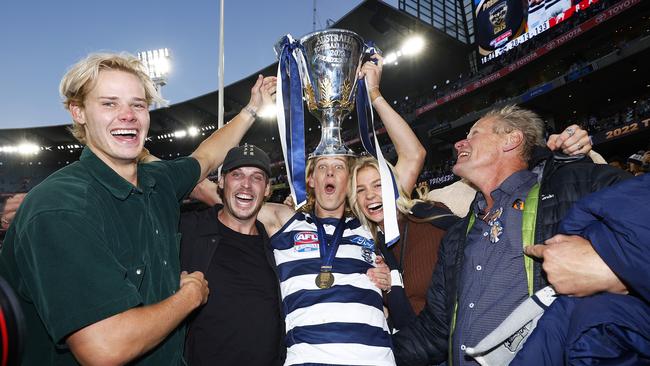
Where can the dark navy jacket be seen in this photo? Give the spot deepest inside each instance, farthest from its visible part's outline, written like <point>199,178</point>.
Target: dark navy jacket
<point>603,328</point>
<point>617,222</point>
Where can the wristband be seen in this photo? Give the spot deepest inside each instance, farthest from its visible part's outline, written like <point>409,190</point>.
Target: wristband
<point>251,111</point>
<point>396,278</point>
<point>376,99</point>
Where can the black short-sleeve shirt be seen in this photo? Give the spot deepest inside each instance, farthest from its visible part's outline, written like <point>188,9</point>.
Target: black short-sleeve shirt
<point>86,245</point>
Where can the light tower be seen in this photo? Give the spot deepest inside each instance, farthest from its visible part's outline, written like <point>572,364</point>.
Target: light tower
<point>158,64</point>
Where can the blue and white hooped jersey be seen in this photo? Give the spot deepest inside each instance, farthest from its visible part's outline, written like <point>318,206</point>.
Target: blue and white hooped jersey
<point>344,324</point>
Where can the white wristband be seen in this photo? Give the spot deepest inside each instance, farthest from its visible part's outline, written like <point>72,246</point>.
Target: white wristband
<point>396,278</point>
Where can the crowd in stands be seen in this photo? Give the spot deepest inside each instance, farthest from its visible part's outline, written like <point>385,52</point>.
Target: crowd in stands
<point>20,180</point>
<point>552,68</point>
<point>634,111</point>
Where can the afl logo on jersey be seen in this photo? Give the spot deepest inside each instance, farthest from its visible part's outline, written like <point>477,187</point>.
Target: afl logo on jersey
<point>305,241</point>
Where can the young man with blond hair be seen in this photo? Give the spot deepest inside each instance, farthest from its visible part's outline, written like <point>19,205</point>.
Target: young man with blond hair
<point>93,251</point>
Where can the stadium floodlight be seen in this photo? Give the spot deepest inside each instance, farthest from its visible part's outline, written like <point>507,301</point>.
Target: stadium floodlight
<point>413,45</point>
<point>180,134</point>
<point>158,65</point>
<point>192,131</point>
<point>390,58</point>
<point>28,148</point>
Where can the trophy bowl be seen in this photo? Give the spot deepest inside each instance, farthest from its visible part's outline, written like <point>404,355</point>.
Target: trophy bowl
<point>333,59</point>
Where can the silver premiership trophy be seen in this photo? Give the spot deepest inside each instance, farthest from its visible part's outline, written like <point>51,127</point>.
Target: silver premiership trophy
<point>322,70</point>
<point>333,60</point>
<point>329,79</point>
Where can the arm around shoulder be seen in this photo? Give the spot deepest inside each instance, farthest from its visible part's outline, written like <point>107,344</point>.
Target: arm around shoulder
<point>274,216</point>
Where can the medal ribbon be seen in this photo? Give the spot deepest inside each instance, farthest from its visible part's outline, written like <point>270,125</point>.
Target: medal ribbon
<point>292,134</point>
<point>389,192</point>
<point>328,250</point>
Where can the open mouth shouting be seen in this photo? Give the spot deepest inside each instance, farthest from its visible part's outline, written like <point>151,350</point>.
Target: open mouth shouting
<point>330,188</point>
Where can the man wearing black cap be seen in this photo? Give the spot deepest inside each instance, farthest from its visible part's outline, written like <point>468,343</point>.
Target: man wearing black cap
<point>240,324</point>
<point>635,163</point>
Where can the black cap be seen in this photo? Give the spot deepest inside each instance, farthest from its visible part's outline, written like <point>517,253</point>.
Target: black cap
<point>636,158</point>
<point>247,155</point>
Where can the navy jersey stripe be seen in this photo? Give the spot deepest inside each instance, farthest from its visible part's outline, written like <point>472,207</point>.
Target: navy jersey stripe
<point>339,333</point>
<point>342,294</point>
<point>299,216</point>
<point>284,239</point>
<point>550,3</point>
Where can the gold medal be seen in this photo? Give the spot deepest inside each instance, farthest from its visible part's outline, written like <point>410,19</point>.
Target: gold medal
<point>324,280</point>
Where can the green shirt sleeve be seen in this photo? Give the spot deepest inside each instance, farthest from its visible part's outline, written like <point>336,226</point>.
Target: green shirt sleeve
<point>183,172</point>
<point>69,273</point>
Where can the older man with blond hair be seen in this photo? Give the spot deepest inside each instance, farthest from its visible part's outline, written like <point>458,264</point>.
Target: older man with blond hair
<point>482,275</point>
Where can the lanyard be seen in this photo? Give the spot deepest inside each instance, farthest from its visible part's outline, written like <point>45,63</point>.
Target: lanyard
<point>325,278</point>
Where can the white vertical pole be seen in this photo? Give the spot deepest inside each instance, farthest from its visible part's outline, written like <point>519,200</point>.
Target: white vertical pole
<point>221,68</point>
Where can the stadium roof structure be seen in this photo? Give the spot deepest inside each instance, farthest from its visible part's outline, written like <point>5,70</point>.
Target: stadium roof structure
<point>442,58</point>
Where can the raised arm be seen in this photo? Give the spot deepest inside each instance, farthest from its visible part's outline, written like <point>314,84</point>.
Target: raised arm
<point>212,150</point>
<point>410,153</point>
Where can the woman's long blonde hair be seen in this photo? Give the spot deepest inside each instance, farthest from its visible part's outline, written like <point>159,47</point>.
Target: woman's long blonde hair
<point>404,202</point>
